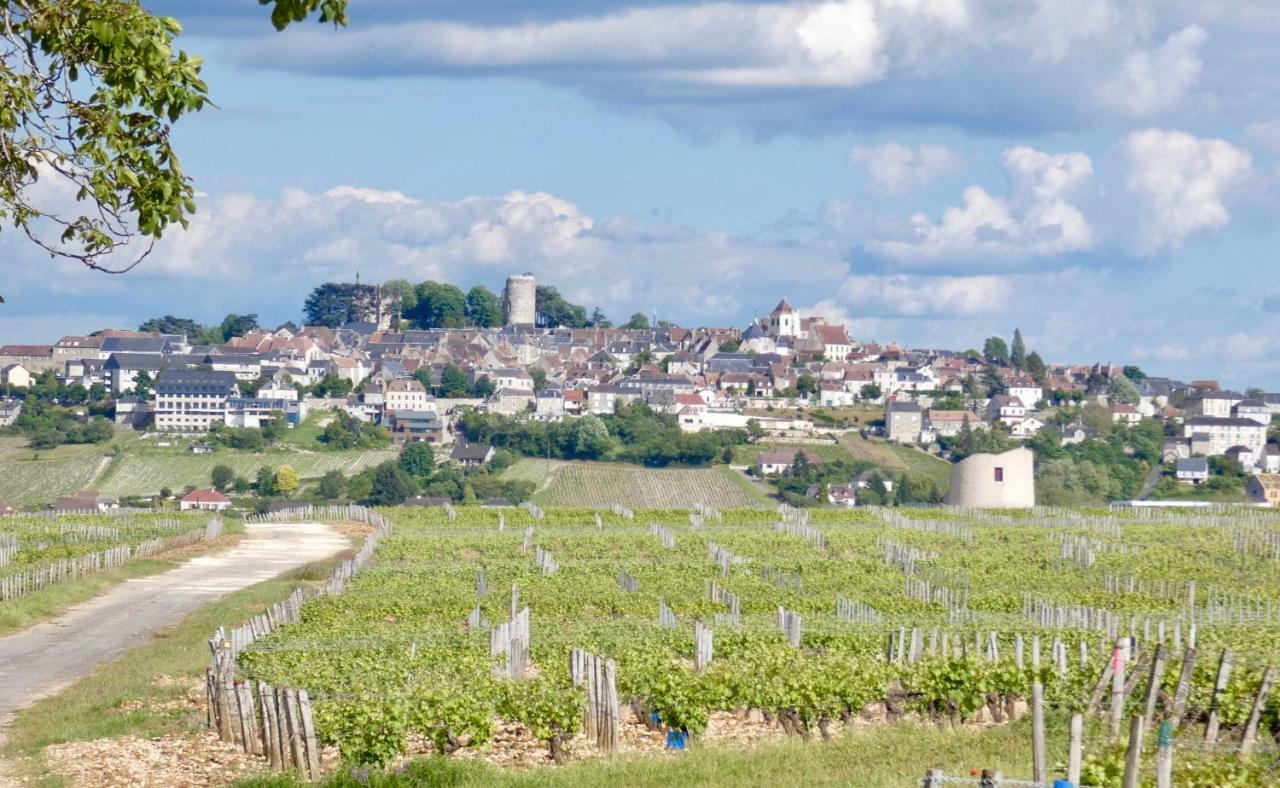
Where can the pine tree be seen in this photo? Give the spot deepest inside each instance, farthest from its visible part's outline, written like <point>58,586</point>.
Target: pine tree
<point>1018,353</point>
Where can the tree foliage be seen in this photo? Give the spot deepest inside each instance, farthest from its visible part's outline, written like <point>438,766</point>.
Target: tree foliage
<point>552,310</point>
<point>995,350</point>
<point>1018,351</point>
<point>439,305</point>
<point>334,304</point>
<point>483,307</point>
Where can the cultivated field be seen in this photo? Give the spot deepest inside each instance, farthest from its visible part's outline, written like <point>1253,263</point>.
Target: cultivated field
<point>145,473</point>
<point>600,484</point>
<point>28,476</point>
<point>746,454</point>
<point>821,626</point>
<point>899,458</point>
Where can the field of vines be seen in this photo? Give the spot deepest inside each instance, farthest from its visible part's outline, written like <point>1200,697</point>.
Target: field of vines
<point>28,476</point>
<point>145,473</point>
<point>32,541</point>
<point>935,615</point>
<point>599,484</point>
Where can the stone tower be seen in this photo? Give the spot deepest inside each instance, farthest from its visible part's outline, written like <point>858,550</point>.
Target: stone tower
<point>520,300</point>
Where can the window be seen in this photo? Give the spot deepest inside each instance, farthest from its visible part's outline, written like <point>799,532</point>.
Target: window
<point>999,474</point>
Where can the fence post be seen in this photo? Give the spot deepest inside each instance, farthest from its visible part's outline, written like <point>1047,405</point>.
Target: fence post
<point>1183,690</point>
<point>1133,753</point>
<point>1075,749</point>
<point>933,779</point>
<point>1164,756</point>
<point>1039,760</point>
<point>1117,687</point>
<point>1153,685</point>
<point>309,735</point>
<point>1219,684</point>
<point>1255,714</point>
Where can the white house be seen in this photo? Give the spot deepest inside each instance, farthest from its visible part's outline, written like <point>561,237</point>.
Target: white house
<point>408,394</point>
<point>1217,434</point>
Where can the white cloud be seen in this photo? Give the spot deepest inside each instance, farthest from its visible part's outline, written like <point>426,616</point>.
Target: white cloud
<point>1036,220</point>
<point>1152,81</point>
<point>925,296</point>
<point>1181,183</point>
<point>896,169</point>
<point>1264,135</point>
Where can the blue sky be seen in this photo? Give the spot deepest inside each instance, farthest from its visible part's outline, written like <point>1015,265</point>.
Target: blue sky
<point>1101,173</point>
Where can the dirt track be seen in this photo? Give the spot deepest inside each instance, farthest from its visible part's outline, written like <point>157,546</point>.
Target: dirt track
<point>37,662</point>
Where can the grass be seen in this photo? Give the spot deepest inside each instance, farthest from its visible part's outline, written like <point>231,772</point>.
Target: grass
<point>898,755</point>
<point>899,458</point>
<point>25,611</point>
<point>103,704</point>
<point>633,486</point>
<point>33,476</point>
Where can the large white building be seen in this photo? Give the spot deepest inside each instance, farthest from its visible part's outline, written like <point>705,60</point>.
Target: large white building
<point>190,400</point>
<point>1213,435</point>
<point>407,394</point>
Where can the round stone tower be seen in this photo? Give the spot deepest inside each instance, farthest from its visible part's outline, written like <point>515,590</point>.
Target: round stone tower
<point>520,300</point>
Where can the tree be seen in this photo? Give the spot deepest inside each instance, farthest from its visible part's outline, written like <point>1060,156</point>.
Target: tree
<point>222,476</point>
<point>333,304</point>
<point>539,376</point>
<point>483,307</point>
<point>399,296</point>
<point>483,387</point>
<point>418,459</point>
<point>1133,373</point>
<point>1097,418</point>
<point>1018,353</point>
<point>142,383</point>
<point>287,479</point>
<point>1122,390</point>
<point>806,385</point>
<point>590,437</point>
<point>870,392</point>
<point>453,382</point>
<point>637,321</point>
<point>266,483</point>
<point>729,346</point>
<point>331,485</point>
<point>234,325</point>
<point>172,325</point>
<point>995,350</point>
<point>390,485</point>
<point>440,305</point>
<point>598,319</point>
<point>552,310</point>
<point>1035,367</point>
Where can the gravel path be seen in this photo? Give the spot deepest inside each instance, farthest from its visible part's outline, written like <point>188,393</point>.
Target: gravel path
<point>39,661</point>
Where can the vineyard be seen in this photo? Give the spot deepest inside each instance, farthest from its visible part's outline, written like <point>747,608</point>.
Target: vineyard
<point>39,550</point>
<point>599,484</point>
<point>141,474</point>
<point>30,477</point>
<point>470,621</point>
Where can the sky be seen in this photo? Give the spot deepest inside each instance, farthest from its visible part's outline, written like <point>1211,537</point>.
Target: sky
<point>1102,174</point>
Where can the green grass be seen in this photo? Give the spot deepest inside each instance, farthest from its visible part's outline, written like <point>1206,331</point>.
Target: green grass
<point>890,756</point>
<point>36,476</point>
<point>96,706</point>
<point>831,452</point>
<point>633,486</point>
<point>1218,489</point>
<point>898,458</point>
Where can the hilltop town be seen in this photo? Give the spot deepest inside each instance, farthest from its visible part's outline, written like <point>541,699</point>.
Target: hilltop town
<point>394,365</point>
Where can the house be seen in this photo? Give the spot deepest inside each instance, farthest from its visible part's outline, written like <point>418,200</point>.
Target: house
<point>1122,413</point>
<point>1025,427</point>
<point>549,405</point>
<point>510,402</point>
<point>1005,407</point>
<point>949,423</point>
<point>605,399</point>
<point>34,358</point>
<point>253,411</point>
<point>903,421</point>
<point>776,463</point>
<point>1026,390</point>
<point>122,369</point>
<point>994,481</point>
<point>1077,433</point>
<point>205,500</point>
<point>1270,460</point>
<point>1255,409</point>
<point>416,425</point>
<point>511,378</point>
<point>408,394</point>
<point>1265,488</point>
<point>1243,455</point>
<point>575,400</point>
<point>1216,404</point>
<point>191,400</point>
<point>1224,432</point>
<point>471,455</point>
<point>1175,449</point>
<point>16,376</point>
<point>84,501</point>
<point>836,344</point>
<point>1191,470</point>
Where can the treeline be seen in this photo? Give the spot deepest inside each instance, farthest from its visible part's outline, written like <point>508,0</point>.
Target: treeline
<point>881,489</point>
<point>635,433</point>
<point>232,325</point>
<point>432,304</point>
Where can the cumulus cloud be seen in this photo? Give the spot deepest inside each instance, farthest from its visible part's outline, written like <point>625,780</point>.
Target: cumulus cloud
<point>1037,219</point>
<point>895,169</point>
<point>1151,81</point>
<point>1181,183</point>
<point>925,296</point>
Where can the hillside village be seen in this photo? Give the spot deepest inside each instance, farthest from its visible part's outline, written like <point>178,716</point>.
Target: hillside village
<point>787,377</point>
